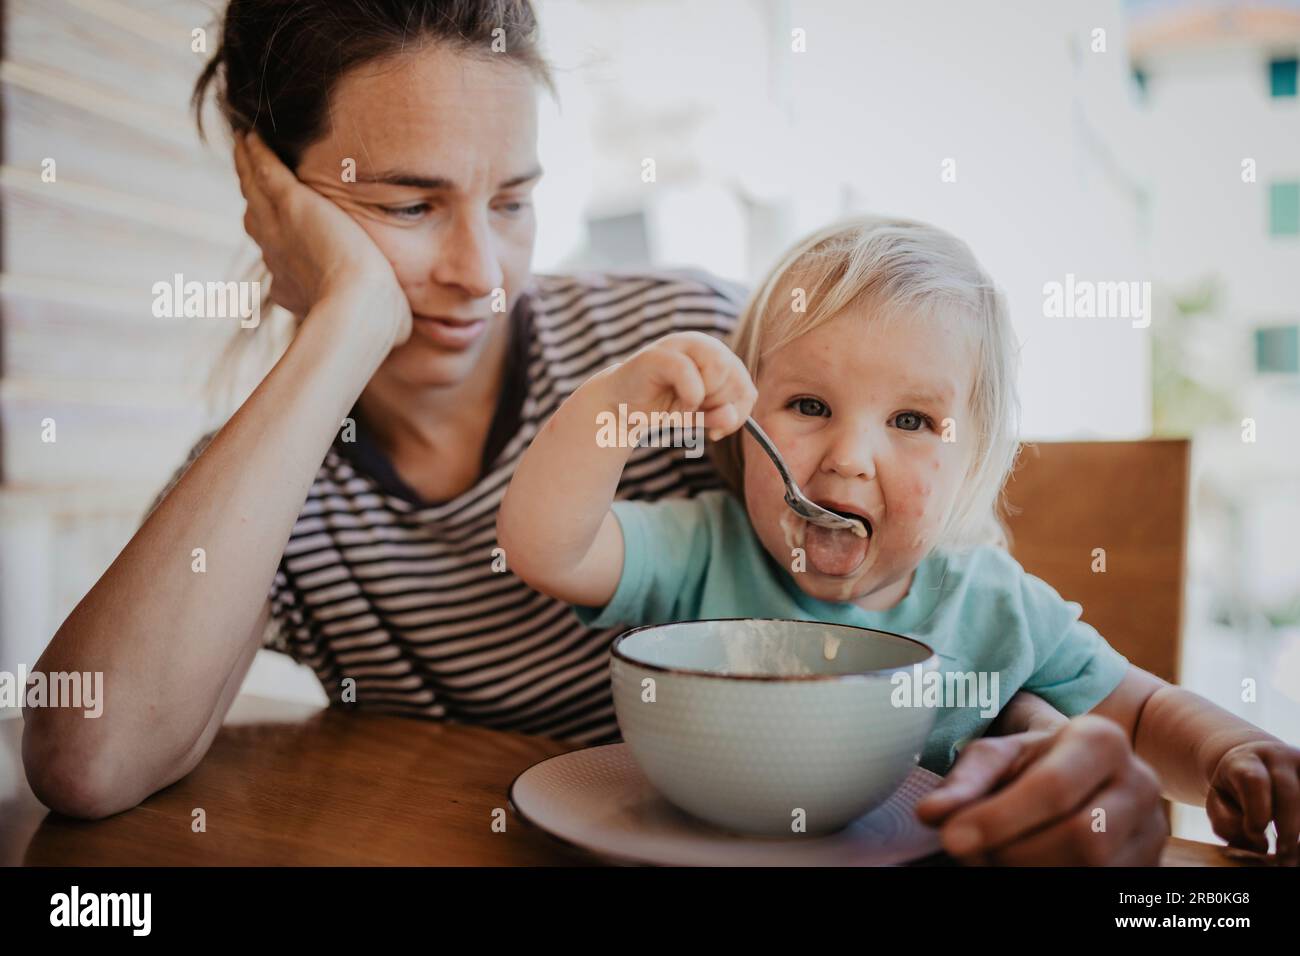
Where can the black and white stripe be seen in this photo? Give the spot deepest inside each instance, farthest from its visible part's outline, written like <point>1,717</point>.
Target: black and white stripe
<point>402,597</point>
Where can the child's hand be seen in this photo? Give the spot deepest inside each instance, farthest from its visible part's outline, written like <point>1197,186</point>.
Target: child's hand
<point>687,372</point>
<point>1254,783</point>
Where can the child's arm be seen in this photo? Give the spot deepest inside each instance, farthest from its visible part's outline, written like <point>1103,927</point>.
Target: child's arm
<point>1208,757</point>
<point>555,523</point>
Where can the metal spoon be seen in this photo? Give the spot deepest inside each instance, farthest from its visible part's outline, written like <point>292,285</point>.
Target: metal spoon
<point>796,499</point>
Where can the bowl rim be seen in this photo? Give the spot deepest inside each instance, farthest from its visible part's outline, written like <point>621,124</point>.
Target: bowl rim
<point>618,654</point>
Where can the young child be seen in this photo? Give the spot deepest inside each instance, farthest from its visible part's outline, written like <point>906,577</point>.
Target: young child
<point>879,358</point>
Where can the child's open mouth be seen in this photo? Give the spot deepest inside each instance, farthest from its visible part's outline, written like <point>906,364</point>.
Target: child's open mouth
<point>838,553</point>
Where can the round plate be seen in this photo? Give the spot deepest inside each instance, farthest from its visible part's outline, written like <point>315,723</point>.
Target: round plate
<point>598,800</point>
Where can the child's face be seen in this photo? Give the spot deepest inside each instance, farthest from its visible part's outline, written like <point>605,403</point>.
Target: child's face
<point>857,407</point>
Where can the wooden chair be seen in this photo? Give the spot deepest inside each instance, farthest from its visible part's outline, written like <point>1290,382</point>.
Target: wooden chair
<point>1129,499</point>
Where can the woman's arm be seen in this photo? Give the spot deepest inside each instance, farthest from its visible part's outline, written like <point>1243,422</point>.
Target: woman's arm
<point>173,645</point>
<point>166,638</point>
<point>555,523</point>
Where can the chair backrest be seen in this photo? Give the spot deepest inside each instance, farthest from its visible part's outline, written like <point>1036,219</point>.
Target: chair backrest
<point>1075,505</point>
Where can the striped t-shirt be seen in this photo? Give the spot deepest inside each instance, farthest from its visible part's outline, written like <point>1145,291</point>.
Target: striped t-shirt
<point>408,598</point>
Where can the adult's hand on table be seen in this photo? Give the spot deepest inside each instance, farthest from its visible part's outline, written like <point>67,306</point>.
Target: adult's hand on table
<point>1029,799</point>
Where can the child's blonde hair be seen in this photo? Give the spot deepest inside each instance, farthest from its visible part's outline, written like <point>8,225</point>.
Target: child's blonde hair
<point>892,268</point>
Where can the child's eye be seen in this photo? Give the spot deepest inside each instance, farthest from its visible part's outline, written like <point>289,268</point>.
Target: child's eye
<point>814,407</point>
<point>511,207</point>
<point>409,213</point>
<point>911,421</point>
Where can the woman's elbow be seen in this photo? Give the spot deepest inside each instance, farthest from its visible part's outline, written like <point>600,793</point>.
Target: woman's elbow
<point>63,777</point>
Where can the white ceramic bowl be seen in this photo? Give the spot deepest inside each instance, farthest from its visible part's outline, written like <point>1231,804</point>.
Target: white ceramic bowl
<point>760,726</point>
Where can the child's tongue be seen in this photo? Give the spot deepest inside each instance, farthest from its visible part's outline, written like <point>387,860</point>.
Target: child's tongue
<point>835,552</point>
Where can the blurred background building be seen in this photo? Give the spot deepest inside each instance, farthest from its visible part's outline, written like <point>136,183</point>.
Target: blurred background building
<point>1112,141</point>
<point>1221,155</point>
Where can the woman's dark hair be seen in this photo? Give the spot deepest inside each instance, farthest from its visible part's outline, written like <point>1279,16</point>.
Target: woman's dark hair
<point>279,60</point>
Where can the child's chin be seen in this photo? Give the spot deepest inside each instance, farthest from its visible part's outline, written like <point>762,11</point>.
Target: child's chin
<point>825,587</point>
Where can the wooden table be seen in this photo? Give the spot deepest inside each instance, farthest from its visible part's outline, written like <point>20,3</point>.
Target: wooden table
<point>294,784</point>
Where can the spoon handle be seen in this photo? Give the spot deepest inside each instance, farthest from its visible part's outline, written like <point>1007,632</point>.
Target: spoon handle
<point>794,497</point>
<point>761,437</point>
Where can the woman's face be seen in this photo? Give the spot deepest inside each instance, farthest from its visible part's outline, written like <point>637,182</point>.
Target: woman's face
<point>444,149</point>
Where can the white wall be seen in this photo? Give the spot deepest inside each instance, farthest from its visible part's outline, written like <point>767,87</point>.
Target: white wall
<point>1042,130</point>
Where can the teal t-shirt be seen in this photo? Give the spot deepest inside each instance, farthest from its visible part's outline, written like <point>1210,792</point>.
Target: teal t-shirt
<point>696,558</point>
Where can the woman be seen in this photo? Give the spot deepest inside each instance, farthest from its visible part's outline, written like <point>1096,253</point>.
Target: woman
<point>402,240</point>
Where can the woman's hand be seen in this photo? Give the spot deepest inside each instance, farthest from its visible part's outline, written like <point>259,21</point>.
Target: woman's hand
<point>686,372</point>
<point>1033,799</point>
<point>1252,784</point>
<point>312,247</point>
